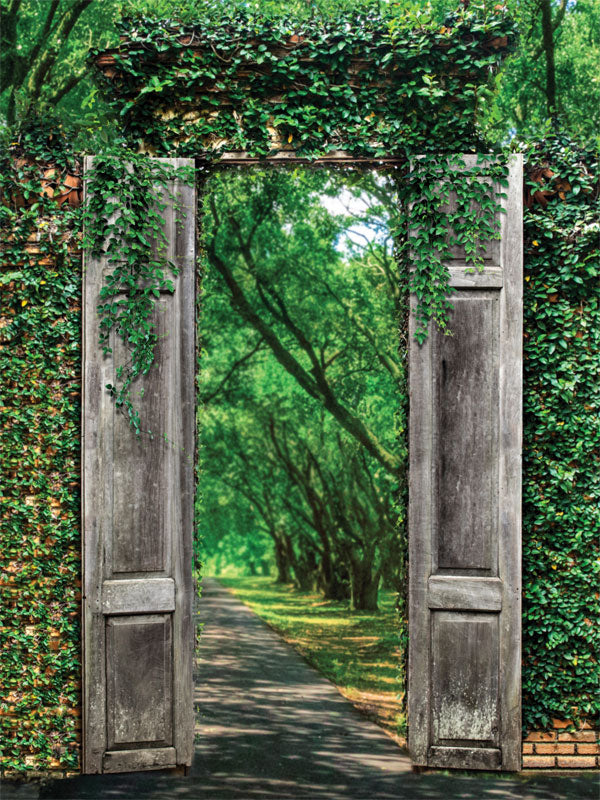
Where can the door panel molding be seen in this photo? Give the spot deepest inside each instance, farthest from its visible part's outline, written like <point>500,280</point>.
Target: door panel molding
<point>138,506</point>
<point>464,687</point>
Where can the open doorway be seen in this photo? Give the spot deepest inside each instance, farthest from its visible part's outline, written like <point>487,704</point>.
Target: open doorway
<point>303,409</point>
<point>464,493</point>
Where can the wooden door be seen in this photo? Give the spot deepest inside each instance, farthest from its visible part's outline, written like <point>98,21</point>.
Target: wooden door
<point>138,500</point>
<point>465,516</point>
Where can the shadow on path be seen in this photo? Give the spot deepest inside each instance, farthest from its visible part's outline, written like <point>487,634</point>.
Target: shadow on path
<point>269,726</point>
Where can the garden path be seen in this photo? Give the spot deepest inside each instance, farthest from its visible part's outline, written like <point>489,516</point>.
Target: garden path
<point>270,727</point>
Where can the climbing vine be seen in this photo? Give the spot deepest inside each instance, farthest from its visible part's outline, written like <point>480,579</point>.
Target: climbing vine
<point>123,225</point>
<point>445,204</point>
<point>561,433</point>
<point>372,83</point>
<point>40,393</point>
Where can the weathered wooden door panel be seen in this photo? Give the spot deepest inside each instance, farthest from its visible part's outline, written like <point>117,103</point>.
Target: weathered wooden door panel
<point>464,516</point>
<point>137,530</point>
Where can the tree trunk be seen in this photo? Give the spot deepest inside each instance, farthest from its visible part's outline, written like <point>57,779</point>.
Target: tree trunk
<point>306,571</point>
<point>364,585</point>
<point>548,44</point>
<point>282,562</point>
<point>332,583</point>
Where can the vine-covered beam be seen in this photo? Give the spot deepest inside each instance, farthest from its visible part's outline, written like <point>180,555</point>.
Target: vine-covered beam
<point>370,85</point>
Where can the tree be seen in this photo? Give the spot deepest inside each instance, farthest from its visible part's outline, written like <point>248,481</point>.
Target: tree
<point>44,48</point>
<point>318,313</point>
<point>553,74</point>
<point>233,234</point>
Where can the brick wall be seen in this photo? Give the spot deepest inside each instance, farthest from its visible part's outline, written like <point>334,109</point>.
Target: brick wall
<point>562,747</point>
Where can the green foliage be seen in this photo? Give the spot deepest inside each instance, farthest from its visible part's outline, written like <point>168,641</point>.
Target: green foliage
<point>561,483</point>
<point>40,363</point>
<point>368,82</point>
<point>237,80</point>
<point>41,289</point>
<point>565,65</point>
<point>435,226</point>
<point>302,382</point>
<point>123,224</point>
<point>44,48</point>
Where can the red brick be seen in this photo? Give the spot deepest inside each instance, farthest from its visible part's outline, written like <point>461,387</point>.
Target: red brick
<point>588,749</point>
<point>576,762</point>
<point>561,723</point>
<point>579,736</point>
<point>554,748</point>
<point>527,749</point>
<point>539,761</point>
<point>541,736</point>
<point>563,749</point>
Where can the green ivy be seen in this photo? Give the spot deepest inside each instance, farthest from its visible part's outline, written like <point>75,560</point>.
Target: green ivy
<point>369,82</point>
<point>435,225</point>
<point>124,226</point>
<point>40,364</point>
<point>358,81</point>
<point>561,480</point>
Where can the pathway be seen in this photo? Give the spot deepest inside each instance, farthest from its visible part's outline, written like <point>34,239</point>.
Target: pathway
<point>269,727</point>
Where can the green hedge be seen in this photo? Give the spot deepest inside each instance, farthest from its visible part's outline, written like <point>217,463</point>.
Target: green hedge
<point>561,469</point>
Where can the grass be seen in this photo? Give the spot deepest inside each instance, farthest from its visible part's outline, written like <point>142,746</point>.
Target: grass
<point>356,650</point>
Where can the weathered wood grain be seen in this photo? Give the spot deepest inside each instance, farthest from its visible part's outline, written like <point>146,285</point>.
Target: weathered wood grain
<point>464,516</point>
<point>139,681</point>
<point>139,760</point>
<point>464,678</point>
<point>137,531</point>
<point>465,397</point>
<point>467,757</point>
<point>490,278</point>
<point>464,594</point>
<point>138,596</point>
<point>183,240</point>
<point>510,465</point>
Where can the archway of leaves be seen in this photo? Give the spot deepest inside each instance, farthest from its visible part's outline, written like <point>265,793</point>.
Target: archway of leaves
<point>234,88</point>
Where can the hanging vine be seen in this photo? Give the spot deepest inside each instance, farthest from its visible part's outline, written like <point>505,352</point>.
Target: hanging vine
<point>123,225</point>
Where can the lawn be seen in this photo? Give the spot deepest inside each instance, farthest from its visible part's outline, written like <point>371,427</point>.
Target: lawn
<point>356,650</point>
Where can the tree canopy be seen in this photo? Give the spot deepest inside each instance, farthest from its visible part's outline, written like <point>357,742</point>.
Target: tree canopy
<point>303,379</point>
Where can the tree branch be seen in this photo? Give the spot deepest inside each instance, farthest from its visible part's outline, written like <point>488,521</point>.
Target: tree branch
<point>317,387</point>
<point>66,86</point>
<point>47,59</point>
<point>234,367</point>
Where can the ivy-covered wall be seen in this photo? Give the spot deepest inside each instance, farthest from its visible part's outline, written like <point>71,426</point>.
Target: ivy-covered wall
<point>40,393</point>
<point>39,461</point>
<point>561,447</point>
<point>371,84</point>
